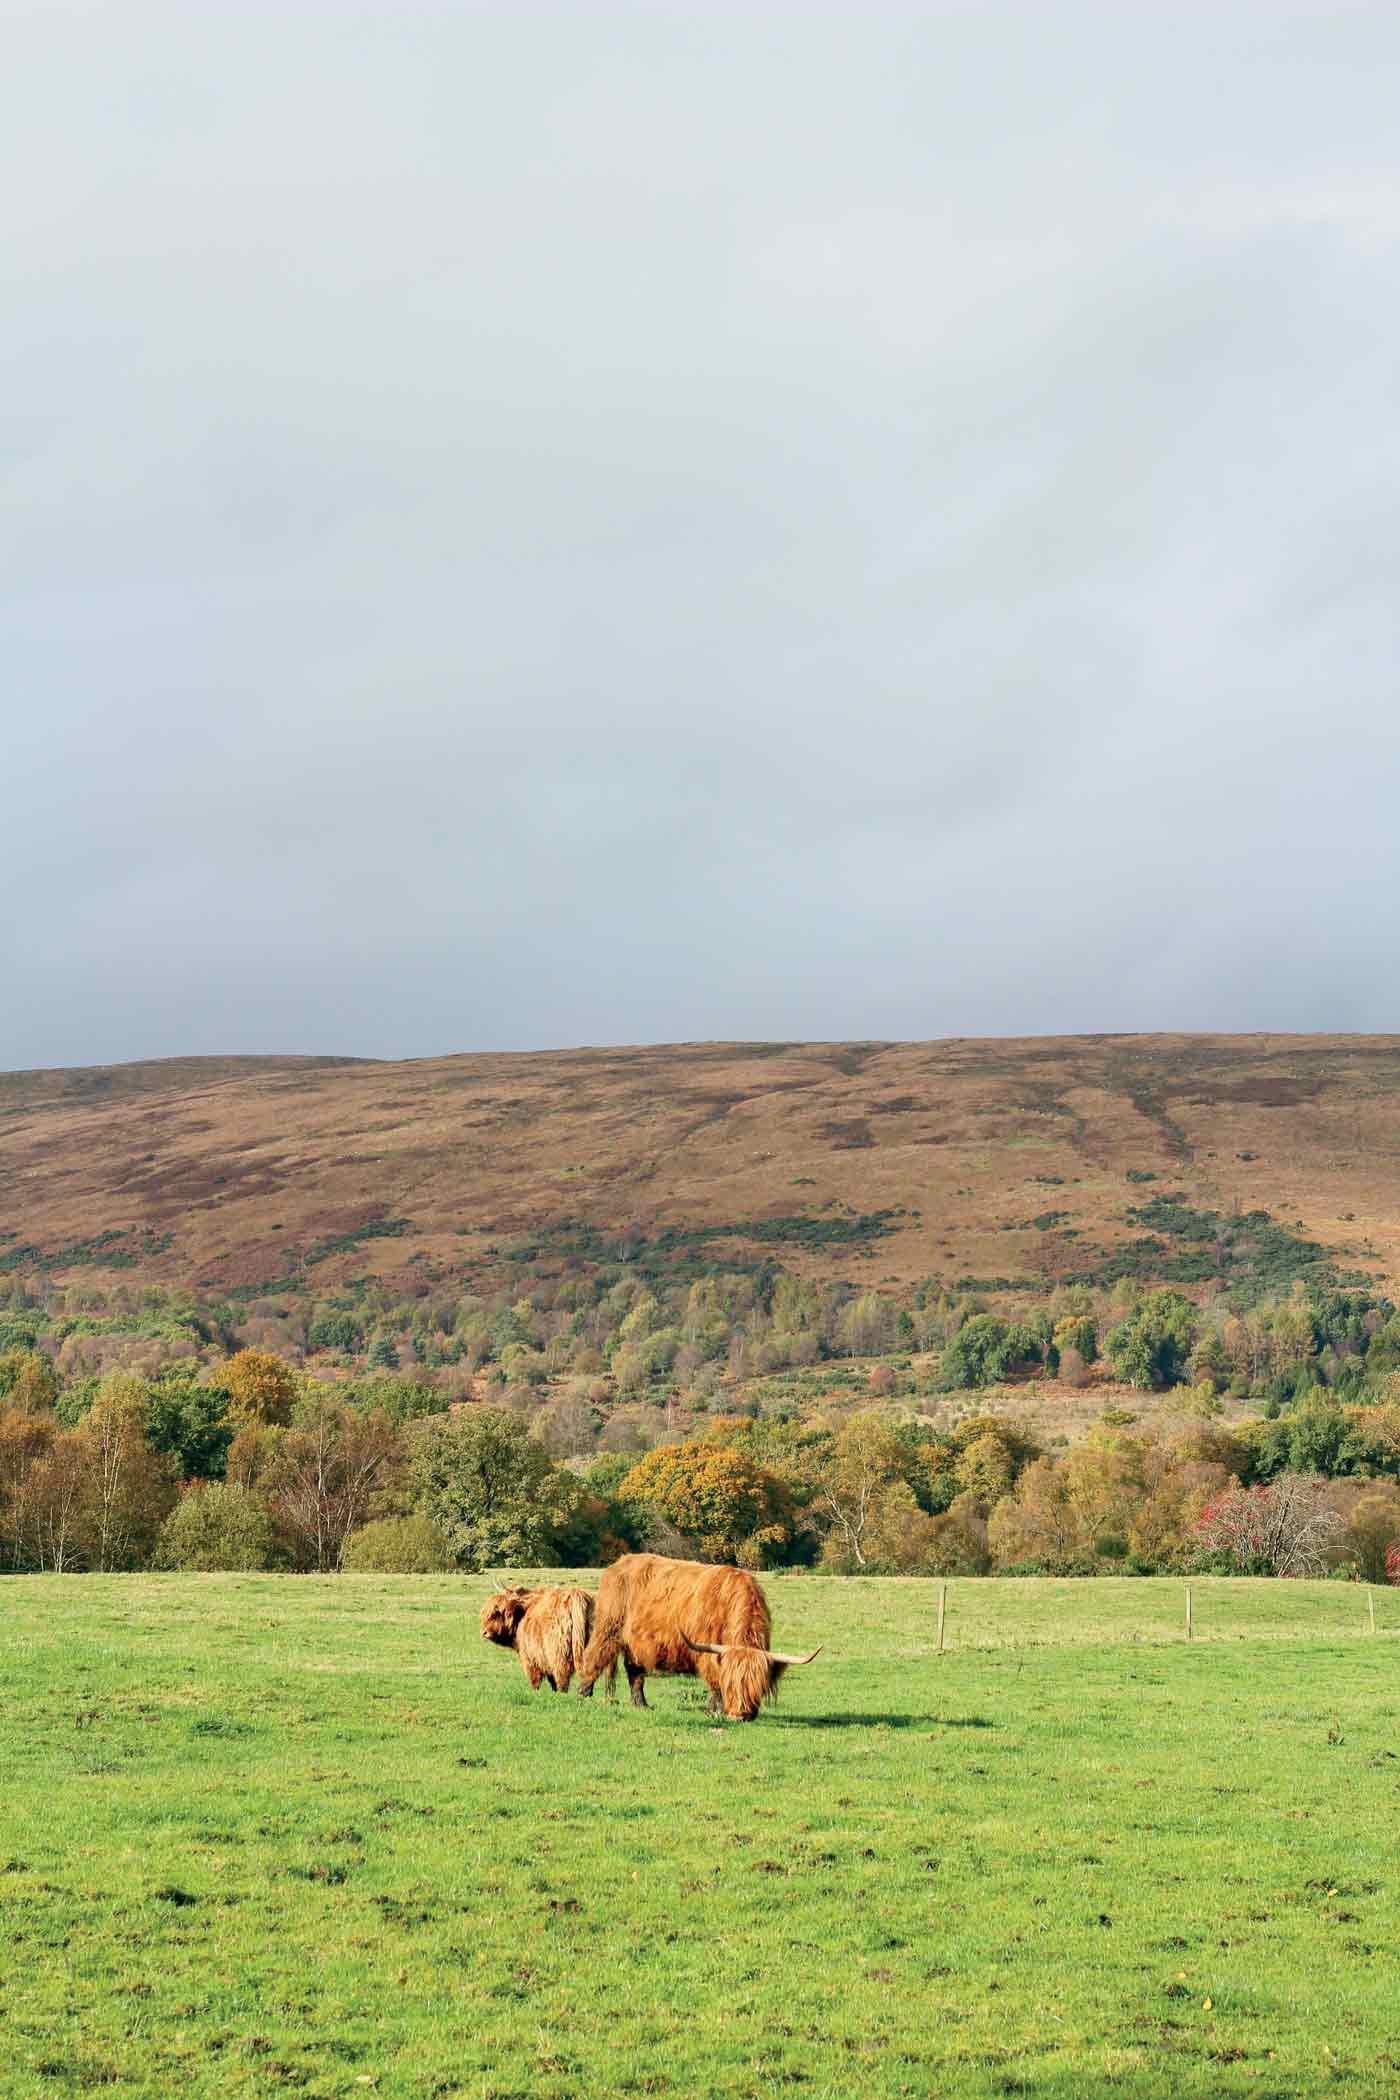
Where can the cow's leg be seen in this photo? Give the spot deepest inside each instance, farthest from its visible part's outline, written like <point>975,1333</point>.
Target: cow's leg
<point>599,1656</point>
<point>716,1703</point>
<point>638,1681</point>
<point>534,1673</point>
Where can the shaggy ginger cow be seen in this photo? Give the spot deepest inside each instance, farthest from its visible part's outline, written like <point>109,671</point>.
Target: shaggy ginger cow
<point>548,1630</point>
<point>685,1619</point>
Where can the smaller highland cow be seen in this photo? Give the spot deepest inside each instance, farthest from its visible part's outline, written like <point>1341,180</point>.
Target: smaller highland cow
<point>548,1630</point>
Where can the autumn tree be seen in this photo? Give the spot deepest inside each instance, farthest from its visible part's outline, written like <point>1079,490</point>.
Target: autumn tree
<point>324,1477</point>
<point>1285,1528</point>
<point>28,1381</point>
<point>53,1504</point>
<point>251,1453</point>
<point>261,1387</point>
<point>25,1441</point>
<point>866,1325</point>
<point>796,1315</point>
<point>866,1459</point>
<point>1373,1530</point>
<point>986,1467</point>
<point>568,1426</point>
<point>1064,1512</point>
<point>1076,1332</point>
<point>958,1543</point>
<point>900,1538</point>
<point>1039,1523</point>
<point>1162,1527</point>
<point>41,1489</point>
<point>127,1488</point>
<point>1071,1369</point>
<point>715,1495</point>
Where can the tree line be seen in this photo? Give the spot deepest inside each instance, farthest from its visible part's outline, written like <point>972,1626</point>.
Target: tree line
<point>248,1462</point>
<point>644,1338</point>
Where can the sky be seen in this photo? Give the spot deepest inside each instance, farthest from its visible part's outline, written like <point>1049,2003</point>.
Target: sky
<point>528,525</point>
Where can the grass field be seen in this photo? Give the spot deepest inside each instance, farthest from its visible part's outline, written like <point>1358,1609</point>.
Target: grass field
<point>264,1834</point>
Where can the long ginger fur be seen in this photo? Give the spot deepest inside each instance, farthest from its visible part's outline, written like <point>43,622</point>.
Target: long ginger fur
<point>548,1629</point>
<point>645,1607</point>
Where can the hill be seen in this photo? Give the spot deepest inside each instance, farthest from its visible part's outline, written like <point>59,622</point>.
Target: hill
<point>1001,1165</point>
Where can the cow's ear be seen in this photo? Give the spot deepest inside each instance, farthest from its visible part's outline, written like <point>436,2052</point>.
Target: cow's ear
<point>515,1608</point>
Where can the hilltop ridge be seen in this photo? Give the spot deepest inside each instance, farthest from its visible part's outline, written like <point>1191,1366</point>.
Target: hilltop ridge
<point>1008,1163</point>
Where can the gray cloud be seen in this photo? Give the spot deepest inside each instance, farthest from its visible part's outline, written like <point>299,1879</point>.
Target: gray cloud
<point>526,526</point>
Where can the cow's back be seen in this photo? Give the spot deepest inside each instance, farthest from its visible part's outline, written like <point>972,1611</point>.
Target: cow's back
<point>554,1632</point>
<point>651,1604</point>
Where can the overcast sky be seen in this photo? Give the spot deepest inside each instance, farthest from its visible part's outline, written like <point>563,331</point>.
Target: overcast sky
<point>528,525</point>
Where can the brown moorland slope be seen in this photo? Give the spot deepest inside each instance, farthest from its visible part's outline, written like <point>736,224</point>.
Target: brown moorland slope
<point>1018,1160</point>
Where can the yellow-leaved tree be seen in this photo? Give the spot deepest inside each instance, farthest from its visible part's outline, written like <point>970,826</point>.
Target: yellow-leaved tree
<point>261,1387</point>
<point>727,1503</point>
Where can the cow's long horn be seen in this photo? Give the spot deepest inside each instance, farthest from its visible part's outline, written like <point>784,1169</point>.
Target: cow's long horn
<point>730,1647</point>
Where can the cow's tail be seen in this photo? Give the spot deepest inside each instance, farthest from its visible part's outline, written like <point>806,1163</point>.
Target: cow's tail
<point>580,1626</point>
<point>584,1615</point>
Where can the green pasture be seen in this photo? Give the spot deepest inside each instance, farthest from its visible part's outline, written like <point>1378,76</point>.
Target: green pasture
<point>264,1835</point>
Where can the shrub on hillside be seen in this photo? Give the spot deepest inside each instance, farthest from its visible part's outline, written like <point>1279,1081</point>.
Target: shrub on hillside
<point>401,1399</point>
<point>336,1329</point>
<point>984,1350</point>
<point>1076,1335</point>
<point>1150,1348</point>
<point>215,1528</point>
<point>398,1546</point>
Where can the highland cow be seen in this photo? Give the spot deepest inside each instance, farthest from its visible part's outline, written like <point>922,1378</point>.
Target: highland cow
<point>548,1630</point>
<point>683,1618</point>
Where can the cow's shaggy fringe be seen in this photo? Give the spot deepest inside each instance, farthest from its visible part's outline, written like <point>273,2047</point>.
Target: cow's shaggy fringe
<point>646,1606</point>
<point>548,1630</point>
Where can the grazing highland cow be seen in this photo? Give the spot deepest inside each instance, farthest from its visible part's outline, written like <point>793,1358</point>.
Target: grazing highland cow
<point>682,1618</point>
<point>548,1630</point>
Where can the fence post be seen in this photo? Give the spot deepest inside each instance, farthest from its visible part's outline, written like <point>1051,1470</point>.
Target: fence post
<point>1188,1612</point>
<point>942,1609</point>
<point>1371,1606</point>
